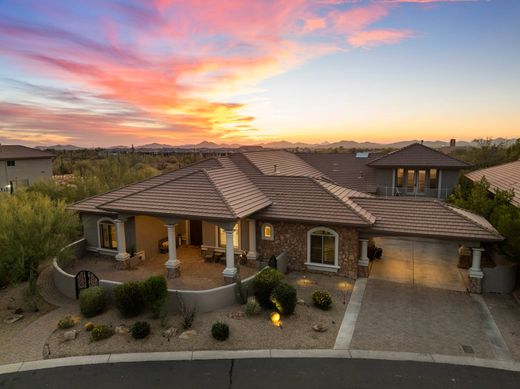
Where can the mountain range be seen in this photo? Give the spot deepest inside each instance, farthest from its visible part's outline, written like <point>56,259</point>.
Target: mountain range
<point>347,144</point>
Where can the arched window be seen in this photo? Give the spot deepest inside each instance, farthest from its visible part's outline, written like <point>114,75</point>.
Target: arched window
<point>322,248</point>
<point>267,231</point>
<point>107,234</point>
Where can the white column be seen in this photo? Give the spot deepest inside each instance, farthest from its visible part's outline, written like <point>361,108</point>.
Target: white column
<point>475,271</point>
<point>121,240</point>
<point>230,270</point>
<point>251,254</point>
<point>363,259</point>
<point>172,261</point>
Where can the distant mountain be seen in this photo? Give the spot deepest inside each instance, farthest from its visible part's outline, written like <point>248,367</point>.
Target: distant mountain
<point>154,146</point>
<point>60,147</point>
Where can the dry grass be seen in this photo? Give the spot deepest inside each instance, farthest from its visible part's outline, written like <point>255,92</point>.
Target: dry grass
<point>256,332</point>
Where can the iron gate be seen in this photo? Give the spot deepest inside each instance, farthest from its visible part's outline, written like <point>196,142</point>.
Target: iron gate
<point>85,279</point>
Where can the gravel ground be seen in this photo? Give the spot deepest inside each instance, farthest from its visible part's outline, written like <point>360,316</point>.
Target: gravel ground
<point>255,332</point>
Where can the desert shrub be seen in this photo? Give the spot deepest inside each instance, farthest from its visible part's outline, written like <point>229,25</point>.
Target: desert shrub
<point>264,283</point>
<point>155,291</point>
<point>252,306</point>
<point>89,326</point>
<point>129,298</point>
<point>240,289</point>
<point>101,332</point>
<point>284,298</point>
<point>92,301</point>
<point>187,313</point>
<point>322,299</point>
<point>220,331</point>
<point>140,329</point>
<point>66,322</point>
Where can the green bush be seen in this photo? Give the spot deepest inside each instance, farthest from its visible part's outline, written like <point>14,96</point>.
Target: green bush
<point>66,322</point>
<point>101,332</point>
<point>129,298</point>
<point>264,283</point>
<point>284,298</point>
<point>322,299</point>
<point>155,291</point>
<point>89,326</point>
<point>92,301</point>
<point>140,329</point>
<point>252,306</point>
<point>220,331</point>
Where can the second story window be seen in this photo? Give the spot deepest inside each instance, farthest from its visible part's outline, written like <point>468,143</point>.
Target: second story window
<point>399,174</point>
<point>433,178</point>
<point>11,163</point>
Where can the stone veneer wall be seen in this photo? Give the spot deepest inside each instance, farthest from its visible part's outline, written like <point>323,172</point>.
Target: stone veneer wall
<point>292,237</point>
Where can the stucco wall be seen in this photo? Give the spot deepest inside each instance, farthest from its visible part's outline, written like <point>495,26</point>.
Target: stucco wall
<point>292,238</point>
<point>208,234</point>
<point>26,169</point>
<point>450,179</point>
<point>148,231</point>
<point>91,230</point>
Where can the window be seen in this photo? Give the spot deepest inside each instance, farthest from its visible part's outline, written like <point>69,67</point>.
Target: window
<point>11,163</point>
<point>322,247</point>
<point>410,180</point>
<point>267,231</point>
<point>421,180</point>
<point>433,178</point>
<point>108,235</point>
<point>222,237</point>
<point>399,176</point>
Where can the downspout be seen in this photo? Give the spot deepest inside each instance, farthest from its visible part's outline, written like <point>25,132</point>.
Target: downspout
<point>439,192</point>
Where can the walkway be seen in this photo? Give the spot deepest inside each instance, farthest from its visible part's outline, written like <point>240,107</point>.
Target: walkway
<point>29,344</point>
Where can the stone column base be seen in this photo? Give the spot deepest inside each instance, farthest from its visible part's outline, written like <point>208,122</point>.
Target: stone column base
<point>363,271</point>
<point>475,285</point>
<point>173,272</point>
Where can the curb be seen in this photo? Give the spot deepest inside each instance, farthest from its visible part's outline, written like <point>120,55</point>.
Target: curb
<point>509,365</point>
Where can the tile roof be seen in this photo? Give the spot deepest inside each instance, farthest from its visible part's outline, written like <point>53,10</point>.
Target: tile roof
<point>418,155</point>
<point>504,177</point>
<point>285,163</point>
<point>214,194</point>
<point>21,152</point>
<point>427,218</point>
<point>345,169</point>
<point>232,187</point>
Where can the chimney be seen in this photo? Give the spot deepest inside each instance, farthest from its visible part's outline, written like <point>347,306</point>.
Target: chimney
<point>453,142</point>
<point>275,170</point>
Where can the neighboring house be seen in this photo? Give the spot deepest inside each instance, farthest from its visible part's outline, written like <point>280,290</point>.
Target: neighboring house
<point>22,166</point>
<point>266,203</point>
<point>504,177</point>
<point>414,170</point>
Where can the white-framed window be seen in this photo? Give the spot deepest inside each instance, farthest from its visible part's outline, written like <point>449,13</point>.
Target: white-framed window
<point>107,234</point>
<point>322,248</point>
<point>222,236</point>
<point>267,231</point>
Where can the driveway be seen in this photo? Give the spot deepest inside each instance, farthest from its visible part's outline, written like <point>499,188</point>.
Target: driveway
<point>424,262</point>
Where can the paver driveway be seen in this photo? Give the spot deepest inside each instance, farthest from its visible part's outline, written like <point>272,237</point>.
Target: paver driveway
<point>425,262</point>
<point>404,317</point>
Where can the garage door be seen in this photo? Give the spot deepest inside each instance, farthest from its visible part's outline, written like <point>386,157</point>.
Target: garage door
<point>425,262</point>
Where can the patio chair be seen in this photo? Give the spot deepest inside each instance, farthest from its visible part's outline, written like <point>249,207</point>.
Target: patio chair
<point>209,254</point>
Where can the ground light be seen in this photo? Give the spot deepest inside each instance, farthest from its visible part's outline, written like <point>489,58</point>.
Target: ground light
<point>275,319</point>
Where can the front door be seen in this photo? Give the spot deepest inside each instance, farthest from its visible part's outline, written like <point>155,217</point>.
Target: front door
<point>196,232</point>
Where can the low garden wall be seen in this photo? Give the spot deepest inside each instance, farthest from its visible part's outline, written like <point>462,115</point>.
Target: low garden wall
<point>64,281</point>
<point>202,300</point>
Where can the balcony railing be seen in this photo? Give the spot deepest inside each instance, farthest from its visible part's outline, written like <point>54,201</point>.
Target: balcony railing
<point>388,191</point>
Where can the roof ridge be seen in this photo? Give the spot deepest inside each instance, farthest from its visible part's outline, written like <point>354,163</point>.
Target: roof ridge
<point>420,144</point>
<point>217,189</point>
<point>316,181</point>
<point>453,208</point>
<point>150,187</point>
<point>143,180</point>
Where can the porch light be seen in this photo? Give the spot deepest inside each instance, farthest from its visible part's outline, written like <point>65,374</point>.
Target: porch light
<point>275,319</point>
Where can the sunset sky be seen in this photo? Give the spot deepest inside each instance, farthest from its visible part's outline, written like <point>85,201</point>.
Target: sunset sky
<point>104,73</point>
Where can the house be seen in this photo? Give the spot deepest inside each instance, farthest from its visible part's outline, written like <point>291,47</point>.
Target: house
<point>264,203</point>
<point>415,170</point>
<point>21,166</point>
<point>504,177</point>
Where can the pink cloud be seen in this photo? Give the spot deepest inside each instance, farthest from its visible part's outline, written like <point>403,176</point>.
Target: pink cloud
<point>372,38</point>
<point>358,18</point>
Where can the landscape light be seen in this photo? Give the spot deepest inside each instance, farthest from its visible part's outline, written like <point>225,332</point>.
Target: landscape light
<point>275,319</point>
